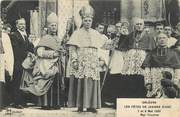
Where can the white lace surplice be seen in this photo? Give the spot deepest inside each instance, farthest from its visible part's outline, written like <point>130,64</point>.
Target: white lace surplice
<point>133,60</point>
<point>85,50</point>
<point>88,64</point>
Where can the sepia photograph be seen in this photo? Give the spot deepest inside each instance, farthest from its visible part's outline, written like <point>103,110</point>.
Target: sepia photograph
<point>90,58</point>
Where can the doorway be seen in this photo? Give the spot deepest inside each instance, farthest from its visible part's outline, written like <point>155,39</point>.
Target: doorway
<point>13,10</point>
<point>106,11</point>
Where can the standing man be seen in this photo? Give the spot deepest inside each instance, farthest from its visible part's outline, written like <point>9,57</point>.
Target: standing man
<point>100,27</point>
<point>159,60</point>
<point>139,44</point>
<point>102,53</point>
<point>171,41</point>
<point>159,28</point>
<point>48,80</point>
<point>177,48</point>
<point>176,33</point>
<point>118,27</point>
<point>111,31</point>
<point>84,90</point>
<point>113,86</point>
<point>21,47</point>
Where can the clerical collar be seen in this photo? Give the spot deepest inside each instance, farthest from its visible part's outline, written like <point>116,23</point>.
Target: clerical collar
<point>22,32</point>
<point>53,34</point>
<point>139,31</point>
<point>162,50</point>
<point>163,46</point>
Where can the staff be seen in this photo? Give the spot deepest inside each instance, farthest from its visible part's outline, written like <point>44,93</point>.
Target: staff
<point>114,44</point>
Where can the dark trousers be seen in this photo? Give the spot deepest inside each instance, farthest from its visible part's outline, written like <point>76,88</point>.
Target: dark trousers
<point>123,86</point>
<point>8,90</point>
<point>2,95</point>
<point>18,95</point>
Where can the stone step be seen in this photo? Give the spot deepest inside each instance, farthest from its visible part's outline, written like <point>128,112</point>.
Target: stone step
<point>64,112</point>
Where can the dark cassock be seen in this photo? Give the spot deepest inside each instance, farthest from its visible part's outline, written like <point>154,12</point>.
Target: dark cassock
<point>176,34</point>
<point>21,46</point>
<point>140,43</point>
<point>112,88</point>
<point>159,60</point>
<point>46,79</point>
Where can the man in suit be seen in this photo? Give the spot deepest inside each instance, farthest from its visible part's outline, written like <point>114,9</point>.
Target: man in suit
<point>21,47</point>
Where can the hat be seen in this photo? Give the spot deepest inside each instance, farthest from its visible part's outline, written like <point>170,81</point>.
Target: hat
<point>52,18</point>
<point>86,11</point>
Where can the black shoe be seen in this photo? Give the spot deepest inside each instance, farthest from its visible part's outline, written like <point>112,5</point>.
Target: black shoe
<point>80,109</point>
<point>114,107</point>
<point>108,104</point>
<point>56,107</point>
<point>19,106</point>
<point>1,108</point>
<point>45,108</point>
<point>12,105</point>
<point>93,110</point>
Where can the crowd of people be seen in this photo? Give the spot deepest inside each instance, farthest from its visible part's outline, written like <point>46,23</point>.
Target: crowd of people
<point>88,68</point>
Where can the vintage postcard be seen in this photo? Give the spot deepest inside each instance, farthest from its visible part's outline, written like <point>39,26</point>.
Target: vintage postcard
<point>90,58</point>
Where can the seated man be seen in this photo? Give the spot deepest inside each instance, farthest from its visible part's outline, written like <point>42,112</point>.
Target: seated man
<point>159,60</point>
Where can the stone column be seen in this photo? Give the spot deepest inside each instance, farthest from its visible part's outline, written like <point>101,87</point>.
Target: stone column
<point>45,8</point>
<point>69,9</point>
<point>149,10</point>
<point>130,8</point>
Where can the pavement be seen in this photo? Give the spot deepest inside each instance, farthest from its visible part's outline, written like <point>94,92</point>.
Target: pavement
<point>64,112</point>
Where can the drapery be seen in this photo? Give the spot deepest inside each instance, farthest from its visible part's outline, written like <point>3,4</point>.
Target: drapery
<point>34,23</point>
<point>150,10</point>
